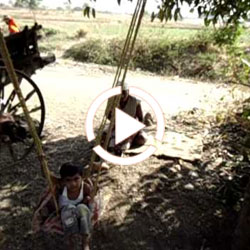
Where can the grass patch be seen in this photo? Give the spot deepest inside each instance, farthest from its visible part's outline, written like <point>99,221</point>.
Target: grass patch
<point>199,56</point>
<point>52,39</point>
<point>48,32</point>
<point>186,58</point>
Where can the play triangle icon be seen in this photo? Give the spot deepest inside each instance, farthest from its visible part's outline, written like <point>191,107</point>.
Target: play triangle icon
<point>125,126</point>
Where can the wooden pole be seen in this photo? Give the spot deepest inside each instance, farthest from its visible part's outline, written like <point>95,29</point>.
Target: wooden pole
<point>123,65</point>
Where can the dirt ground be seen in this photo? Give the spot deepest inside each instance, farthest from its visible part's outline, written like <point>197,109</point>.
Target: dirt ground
<point>162,203</point>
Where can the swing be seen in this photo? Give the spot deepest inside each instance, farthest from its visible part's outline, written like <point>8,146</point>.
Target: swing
<point>47,215</point>
<point>46,218</point>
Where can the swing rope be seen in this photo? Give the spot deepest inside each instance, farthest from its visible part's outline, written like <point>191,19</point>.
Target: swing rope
<point>41,156</point>
<point>120,74</point>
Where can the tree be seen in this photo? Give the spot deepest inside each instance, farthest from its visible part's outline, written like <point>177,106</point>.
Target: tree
<point>230,11</point>
<point>32,4</point>
<point>67,5</point>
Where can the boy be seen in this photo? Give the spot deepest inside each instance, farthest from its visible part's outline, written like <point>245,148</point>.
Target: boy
<point>75,204</point>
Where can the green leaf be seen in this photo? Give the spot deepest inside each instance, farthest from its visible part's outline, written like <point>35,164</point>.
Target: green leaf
<point>161,15</point>
<point>93,12</point>
<point>153,16</point>
<point>215,19</point>
<point>176,14</point>
<point>196,2</point>
<point>246,113</point>
<point>199,10</point>
<point>86,11</point>
<point>207,21</point>
<point>169,14</point>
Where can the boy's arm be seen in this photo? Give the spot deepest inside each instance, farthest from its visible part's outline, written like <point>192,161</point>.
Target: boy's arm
<point>87,193</point>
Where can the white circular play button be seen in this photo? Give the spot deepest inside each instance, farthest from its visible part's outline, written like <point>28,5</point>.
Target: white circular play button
<point>125,125</point>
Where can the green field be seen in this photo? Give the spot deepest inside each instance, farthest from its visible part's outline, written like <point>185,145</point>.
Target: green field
<point>107,26</point>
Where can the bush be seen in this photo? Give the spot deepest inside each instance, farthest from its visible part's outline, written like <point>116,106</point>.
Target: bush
<point>50,32</point>
<point>80,34</point>
<point>227,35</point>
<point>114,50</point>
<point>198,57</point>
<point>93,51</point>
<point>237,71</point>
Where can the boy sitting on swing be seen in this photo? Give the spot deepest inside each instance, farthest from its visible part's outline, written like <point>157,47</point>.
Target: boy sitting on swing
<point>78,212</point>
<point>74,203</point>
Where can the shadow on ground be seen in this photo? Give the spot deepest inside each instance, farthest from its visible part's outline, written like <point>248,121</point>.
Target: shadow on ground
<point>21,184</point>
<point>178,206</point>
<point>177,212</point>
<point>183,205</point>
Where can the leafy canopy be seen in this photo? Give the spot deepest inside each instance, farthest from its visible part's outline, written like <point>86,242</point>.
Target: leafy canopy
<point>230,11</point>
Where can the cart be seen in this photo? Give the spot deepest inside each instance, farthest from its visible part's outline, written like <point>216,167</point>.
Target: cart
<point>14,133</point>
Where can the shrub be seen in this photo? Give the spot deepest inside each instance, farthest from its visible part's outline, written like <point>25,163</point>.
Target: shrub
<point>50,32</point>
<point>237,71</point>
<point>197,57</point>
<point>80,34</point>
<point>114,49</point>
<point>93,51</point>
<point>227,35</point>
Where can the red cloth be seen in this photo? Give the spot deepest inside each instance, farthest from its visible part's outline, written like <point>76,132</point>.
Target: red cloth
<point>13,27</point>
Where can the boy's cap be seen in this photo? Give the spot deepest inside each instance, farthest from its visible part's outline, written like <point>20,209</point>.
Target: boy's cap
<point>123,85</point>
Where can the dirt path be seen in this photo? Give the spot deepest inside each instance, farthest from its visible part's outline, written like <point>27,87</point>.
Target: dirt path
<point>69,89</point>
<point>157,204</point>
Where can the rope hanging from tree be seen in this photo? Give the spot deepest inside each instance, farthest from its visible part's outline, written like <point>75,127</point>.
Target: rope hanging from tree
<point>119,77</point>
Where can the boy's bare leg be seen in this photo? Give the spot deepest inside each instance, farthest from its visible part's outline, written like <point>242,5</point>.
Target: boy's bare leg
<point>85,242</point>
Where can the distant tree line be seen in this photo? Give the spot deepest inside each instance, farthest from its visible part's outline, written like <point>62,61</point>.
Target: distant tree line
<point>32,4</point>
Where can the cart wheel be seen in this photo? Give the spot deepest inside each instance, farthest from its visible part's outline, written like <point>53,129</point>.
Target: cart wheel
<point>21,142</point>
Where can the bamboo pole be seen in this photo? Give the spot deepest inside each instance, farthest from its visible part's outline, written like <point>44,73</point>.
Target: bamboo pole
<point>11,72</point>
<point>123,65</point>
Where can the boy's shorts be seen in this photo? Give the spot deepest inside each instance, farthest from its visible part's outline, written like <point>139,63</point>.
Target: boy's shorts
<point>76,219</point>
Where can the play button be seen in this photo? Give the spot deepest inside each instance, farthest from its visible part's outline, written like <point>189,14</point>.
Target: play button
<point>125,126</point>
